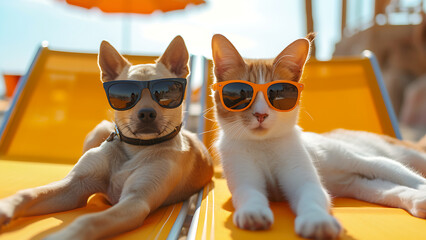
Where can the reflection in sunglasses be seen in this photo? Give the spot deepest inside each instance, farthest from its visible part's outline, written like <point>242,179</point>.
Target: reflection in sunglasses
<point>283,96</point>
<point>237,100</point>
<point>124,94</point>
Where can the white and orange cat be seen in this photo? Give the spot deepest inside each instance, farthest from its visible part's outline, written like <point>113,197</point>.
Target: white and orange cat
<point>266,156</point>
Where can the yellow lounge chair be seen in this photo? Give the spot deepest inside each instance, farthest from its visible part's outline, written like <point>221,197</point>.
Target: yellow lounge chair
<point>57,103</point>
<point>341,93</point>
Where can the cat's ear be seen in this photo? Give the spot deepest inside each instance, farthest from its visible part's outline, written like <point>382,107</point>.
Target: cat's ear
<point>176,57</point>
<point>227,60</point>
<point>294,57</point>
<point>110,62</point>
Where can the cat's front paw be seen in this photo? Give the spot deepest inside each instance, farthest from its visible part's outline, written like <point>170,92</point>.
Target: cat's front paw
<point>419,206</point>
<point>317,226</point>
<point>253,217</point>
<point>422,188</point>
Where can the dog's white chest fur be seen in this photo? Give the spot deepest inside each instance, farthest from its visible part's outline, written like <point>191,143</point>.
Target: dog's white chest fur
<point>119,177</point>
<point>123,166</point>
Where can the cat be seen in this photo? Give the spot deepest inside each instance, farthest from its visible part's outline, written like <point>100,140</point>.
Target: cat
<point>266,156</point>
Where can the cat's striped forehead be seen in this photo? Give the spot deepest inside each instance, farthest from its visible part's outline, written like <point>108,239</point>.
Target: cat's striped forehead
<point>262,71</point>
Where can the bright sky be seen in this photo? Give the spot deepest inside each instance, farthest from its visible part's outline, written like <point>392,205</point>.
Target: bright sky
<point>258,28</point>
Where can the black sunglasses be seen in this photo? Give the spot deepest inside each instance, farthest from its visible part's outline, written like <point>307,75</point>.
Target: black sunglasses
<point>124,94</point>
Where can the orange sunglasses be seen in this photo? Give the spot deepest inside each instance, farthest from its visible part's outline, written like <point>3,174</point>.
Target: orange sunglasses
<point>238,95</point>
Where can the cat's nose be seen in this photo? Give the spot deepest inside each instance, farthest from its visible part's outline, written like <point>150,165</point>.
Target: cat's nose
<point>147,115</point>
<point>260,116</point>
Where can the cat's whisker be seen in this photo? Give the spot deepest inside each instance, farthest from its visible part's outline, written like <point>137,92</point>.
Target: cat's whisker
<point>235,130</point>
<point>307,113</point>
<point>209,131</point>
<point>244,131</point>
<point>207,111</point>
<point>216,127</point>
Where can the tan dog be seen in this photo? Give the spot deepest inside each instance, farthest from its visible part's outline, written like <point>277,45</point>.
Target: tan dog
<point>136,180</point>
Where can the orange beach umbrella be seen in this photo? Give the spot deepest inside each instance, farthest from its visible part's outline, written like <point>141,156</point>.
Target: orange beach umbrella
<point>134,6</point>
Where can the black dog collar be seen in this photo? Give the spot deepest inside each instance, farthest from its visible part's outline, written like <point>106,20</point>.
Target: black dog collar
<point>141,142</point>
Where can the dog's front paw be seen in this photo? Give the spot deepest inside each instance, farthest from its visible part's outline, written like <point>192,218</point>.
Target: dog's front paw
<point>4,219</point>
<point>64,235</point>
<point>6,213</point>
<point>317,226</point>
<point>253,217</point>
<point>419,206</point>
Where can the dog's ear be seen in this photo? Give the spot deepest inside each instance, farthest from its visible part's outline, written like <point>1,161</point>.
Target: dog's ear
<point>110,62</point>
<point>176,57</point>
<point>227,61</point>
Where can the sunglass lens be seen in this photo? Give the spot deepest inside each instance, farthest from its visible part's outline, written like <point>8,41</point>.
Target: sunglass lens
<point>237,95</point>
<point>168,94</point>
<point>283,96</point>
<point>123,95</point>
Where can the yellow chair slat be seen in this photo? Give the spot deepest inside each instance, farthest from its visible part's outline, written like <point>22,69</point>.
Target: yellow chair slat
<point>345,93</point>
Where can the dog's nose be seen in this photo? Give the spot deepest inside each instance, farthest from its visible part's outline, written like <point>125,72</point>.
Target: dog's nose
<point>147,115</point>
<point>260,116</point>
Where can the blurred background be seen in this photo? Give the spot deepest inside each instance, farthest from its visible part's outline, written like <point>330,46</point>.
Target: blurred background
<point>395,30</point>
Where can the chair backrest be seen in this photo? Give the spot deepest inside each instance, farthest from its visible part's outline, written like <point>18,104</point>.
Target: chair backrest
<point>346,93</point>
<point>341,93</point>
<point>57,103</point>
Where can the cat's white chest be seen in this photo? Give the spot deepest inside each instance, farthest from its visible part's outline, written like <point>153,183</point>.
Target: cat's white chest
<point>260,159</point>
<point>268,162</point>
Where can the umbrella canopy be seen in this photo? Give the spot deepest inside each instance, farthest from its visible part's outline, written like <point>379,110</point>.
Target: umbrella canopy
<point>134,6</point>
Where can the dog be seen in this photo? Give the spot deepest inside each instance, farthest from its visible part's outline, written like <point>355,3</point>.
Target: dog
<point>147,160</point>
